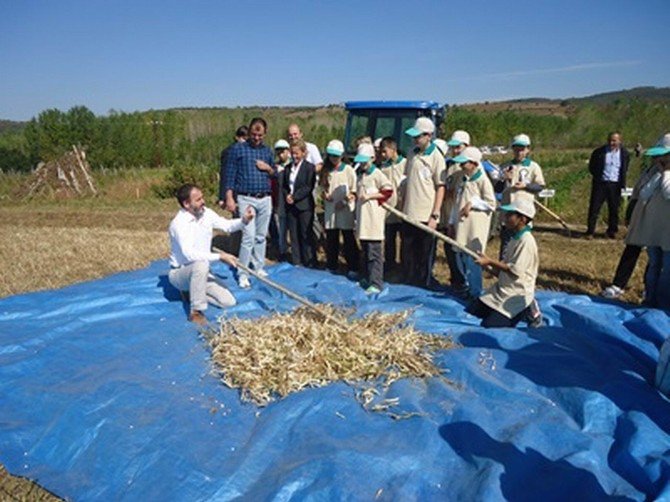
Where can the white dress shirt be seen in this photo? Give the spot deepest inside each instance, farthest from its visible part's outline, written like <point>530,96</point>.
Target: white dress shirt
<point>313,154</point>
<point>191,237</point>
<point>292,176</point>
<point>612,165</point>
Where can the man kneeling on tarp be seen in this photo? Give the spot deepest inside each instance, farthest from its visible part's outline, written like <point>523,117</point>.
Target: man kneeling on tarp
<point>512,298</point>
<point>190,251</point>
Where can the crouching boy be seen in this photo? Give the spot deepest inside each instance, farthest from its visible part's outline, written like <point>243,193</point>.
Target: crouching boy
<point>511,298</point>
<point>373,189</point>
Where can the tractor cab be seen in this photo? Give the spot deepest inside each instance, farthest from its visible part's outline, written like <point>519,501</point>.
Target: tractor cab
<point>378,119</point>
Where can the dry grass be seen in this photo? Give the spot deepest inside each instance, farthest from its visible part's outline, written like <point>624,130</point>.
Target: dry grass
<point>15,488</point>
<point>34,258</point>
<point>285,353</point>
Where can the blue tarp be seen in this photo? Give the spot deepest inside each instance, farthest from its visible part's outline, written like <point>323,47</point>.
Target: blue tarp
<point>106,393</point>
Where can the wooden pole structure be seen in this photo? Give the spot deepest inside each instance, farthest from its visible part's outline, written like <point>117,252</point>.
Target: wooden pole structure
<point>553,215</point>
<point>432,232</point>
<point>313,307</point>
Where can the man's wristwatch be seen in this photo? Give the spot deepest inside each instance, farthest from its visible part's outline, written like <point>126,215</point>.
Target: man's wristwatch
<point>435,216</point>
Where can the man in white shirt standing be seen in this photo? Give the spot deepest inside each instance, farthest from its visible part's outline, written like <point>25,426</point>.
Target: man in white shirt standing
<point>313,156</point>
<point>190,252</point>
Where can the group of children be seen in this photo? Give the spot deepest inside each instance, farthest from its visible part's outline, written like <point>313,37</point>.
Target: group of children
<point>452,194</point>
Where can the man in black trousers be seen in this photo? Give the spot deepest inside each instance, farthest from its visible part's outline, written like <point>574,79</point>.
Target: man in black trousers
<point>608,166</point>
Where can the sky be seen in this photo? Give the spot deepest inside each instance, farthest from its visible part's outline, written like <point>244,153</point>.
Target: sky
<point>139,55</point>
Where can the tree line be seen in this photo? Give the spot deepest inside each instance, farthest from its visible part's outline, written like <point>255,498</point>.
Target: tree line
<point>190,137</point>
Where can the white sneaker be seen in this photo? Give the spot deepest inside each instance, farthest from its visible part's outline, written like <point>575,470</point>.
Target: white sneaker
<point>261,273</point>
<point>244,282</point>
<point>611,292</point>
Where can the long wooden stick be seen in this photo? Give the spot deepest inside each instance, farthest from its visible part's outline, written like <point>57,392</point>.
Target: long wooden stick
<point>432,232</point>
<point>552,214</point>
<point>288,293</point>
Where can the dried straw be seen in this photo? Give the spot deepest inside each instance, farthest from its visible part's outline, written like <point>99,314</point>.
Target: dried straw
<point>284,353</point>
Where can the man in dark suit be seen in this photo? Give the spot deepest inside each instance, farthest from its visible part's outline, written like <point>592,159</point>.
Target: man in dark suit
<point>298,183</point>
<point>608,166</point>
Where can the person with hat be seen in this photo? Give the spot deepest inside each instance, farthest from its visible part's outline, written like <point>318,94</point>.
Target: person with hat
<point>458,141</point>
<point>471,215</point>
<point>373,190</point>
<point>522,179</point>
<point>278,228</point>
<point>608,165</point>
<point>339,195</point>
<point>393,167</point>
<point>509,299</point>
<point>425,171</point>
<point>650,225</point>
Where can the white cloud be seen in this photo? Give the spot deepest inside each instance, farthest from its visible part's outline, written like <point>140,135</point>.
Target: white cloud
<point>543,71</point>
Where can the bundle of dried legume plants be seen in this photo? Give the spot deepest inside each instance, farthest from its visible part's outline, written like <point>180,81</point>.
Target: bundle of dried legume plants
<point>284,353</point>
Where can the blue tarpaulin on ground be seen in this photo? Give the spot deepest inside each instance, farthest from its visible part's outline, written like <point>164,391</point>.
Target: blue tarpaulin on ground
<point>107,393</point>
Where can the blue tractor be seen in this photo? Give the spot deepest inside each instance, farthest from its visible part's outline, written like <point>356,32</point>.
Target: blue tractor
<point>378,119</point>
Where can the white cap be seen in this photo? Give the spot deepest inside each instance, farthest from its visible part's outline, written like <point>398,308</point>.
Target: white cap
<point>423,125</point>
<point>378,142</point>
<point>335,147</point>
<point>661,147</point>
<point>441,145</point>
<point>459,138</point>
<point>525,206</point>
<point>364,153</point>
<point>470,153</point>
<point>282,143</point>
<point>521,140</point>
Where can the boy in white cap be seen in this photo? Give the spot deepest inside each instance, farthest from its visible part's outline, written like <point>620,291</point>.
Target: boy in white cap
<point>471,215</point>
<point>373,189</point>
<point>423,201</point>
<point>509,300</point>
<point>522,179</point>
<point>393,167</point>
<point>457,143</point>
<point>339,196</point>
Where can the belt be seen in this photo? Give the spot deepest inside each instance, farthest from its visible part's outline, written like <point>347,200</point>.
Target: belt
<point>257,195</point>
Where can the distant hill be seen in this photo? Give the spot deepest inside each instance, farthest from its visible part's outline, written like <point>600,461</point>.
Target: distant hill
<point>651,94</point>
<point>567,106</point>
<point>11,126</point>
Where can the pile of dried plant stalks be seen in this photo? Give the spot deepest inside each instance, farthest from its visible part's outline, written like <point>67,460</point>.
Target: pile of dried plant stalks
<point>284,353</point>
<point>66,177</point>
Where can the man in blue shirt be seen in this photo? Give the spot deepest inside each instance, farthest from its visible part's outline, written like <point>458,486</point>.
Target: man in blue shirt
<point>248,174</point>
<point>608,166</point>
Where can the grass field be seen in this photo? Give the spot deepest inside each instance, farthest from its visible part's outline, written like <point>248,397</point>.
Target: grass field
<point>47,244</point>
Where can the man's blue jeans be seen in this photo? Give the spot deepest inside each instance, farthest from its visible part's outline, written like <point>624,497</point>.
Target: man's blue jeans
<point>252,248</point>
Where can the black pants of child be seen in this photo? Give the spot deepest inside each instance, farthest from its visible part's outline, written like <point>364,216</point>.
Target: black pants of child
<point>418,255</point>
<point>491,318</point>
<point>350,249</point>
<point>456,277</point>
<point>626,265</point>
<point>391,234</point>
<point>373,263</point>
<point>300,231</point>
